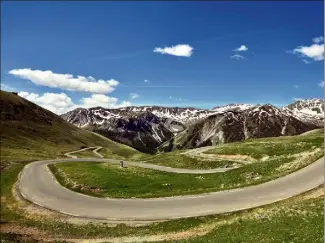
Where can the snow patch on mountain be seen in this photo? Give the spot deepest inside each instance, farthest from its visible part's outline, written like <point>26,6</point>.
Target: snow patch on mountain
<point>307,110</point>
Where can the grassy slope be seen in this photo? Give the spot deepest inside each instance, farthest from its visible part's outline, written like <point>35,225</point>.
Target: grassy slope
<point>299,222</point>
<point>140,182</point>
<point>177,160</point>
<point>114,151</point>
<point>30,132</point>
<point>298,219</point>
<point>257,148</point>
<point>172,159</point>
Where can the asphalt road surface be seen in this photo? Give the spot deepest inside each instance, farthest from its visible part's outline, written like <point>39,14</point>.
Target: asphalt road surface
<point>38,185</point>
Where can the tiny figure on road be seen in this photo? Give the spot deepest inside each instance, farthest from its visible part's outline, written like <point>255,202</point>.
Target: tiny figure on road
<point>121,163</point>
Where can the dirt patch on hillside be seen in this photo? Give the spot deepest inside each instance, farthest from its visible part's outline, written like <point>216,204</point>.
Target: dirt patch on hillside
<point>18,229</point>
<point>200,153</point>
<point>314,194</point>
<point>235,157</point>
<point>301,159</point>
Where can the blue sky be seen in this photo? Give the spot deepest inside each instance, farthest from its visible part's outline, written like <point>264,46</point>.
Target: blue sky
<point>113,43</point>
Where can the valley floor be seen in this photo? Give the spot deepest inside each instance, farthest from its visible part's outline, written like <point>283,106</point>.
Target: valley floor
<point>257,161</point>
<point>298,219</point>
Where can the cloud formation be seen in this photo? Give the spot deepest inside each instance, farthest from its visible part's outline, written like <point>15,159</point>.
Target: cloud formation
<point>134,95</point>
<point>57,103</point>
<point>182,50</point>
<point>237,57</point>
<point>318,39</point>
<point>61,103</point>
<point>321,84</point>
<point>177,99</point>
<point>102,101</point>
<point>66,81</point>
<point>314,52</point>
<point>242,48</point>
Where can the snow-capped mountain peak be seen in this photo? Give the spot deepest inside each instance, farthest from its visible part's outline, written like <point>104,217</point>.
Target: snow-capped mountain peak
<point>238,107</point>
<point>147,127</point>
<point>308,110</point>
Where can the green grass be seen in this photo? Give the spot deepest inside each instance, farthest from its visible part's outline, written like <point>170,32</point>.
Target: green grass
<point>258,148</point>
<point>143,183</point>
<point>172,159</point>
<point>113,151</point>
<point>177,160</point>
<point>287,216</point>
<point>287,226</point>
<point>8,178</point>
<point>121,152</point>
<point>10,212</point>
<point>86,154</point>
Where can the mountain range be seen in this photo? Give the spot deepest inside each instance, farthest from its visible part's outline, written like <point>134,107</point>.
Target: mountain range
<point>155,128</point>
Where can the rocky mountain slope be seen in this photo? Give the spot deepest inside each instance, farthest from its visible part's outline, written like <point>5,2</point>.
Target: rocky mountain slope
<point>138,128</point>
<point>237,107</point>
<point>144,128</point>
<point>149,127</point>
<point>230,126</point>
<point>308,111</point>
<point>83,117</point>
<point>144,131</point>
<point>96,116</point>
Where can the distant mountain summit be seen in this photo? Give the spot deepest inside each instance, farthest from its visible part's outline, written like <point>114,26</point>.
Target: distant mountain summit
<point>147,128</point>
<point>238,107</point>
<point>307,110</point>
<point>83,117</point>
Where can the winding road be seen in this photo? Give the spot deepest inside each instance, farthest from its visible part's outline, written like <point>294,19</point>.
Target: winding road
<point>38,185</point>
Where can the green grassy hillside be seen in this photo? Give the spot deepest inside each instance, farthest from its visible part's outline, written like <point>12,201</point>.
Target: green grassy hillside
<point>269,158</point>
<point>29,132</point>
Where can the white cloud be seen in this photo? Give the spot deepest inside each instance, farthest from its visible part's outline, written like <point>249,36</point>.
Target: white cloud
<point>178,50</point>
<point>61,103</point>
<point>242,48</point>
<point>321,84</point>
<point>237,57</point>
<point>177,99</point>
<point>103,101</point>
<point>306,61</point>
<point>297,99</point>
<point>318,39</point>
<point>57,103</point>
<point>146,81</point>
<point>296,86</point>
<point>313,52</point>
<point>134,95</point>
<point>66,81</point>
